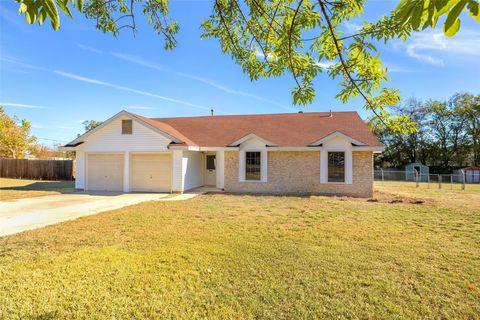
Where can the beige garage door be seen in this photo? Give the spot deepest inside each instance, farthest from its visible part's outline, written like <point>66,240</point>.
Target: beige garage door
<point>105,172</point>
<point>151,172</point>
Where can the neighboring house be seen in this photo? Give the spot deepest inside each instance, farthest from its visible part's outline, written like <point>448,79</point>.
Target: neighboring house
<point>315,152</point>
<point>414,168</point>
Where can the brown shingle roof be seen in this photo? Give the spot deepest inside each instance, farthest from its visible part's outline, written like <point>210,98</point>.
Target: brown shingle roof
<point>284,130</point>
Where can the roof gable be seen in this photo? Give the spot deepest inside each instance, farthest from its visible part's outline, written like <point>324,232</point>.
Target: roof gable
<point>337,134</point>
<point>133,117</point>
<point>248,137</point>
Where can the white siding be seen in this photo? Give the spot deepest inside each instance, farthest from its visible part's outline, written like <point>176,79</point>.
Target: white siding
<point>80,169</point>
<point>187,170</point>
<point>192,170</point>
<point>336,144</point>
<point>111,139</point>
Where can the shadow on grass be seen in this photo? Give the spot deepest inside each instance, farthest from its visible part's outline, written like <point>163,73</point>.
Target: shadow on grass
<point>60,186</point>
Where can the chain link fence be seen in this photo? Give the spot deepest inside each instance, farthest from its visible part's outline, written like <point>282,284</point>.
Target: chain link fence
<point>456,181</point>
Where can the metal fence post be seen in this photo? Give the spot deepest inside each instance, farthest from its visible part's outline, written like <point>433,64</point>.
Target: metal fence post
<point>381,170</point>
<point>439,181</point>
<point>416,178</point>
<point>463,178</point>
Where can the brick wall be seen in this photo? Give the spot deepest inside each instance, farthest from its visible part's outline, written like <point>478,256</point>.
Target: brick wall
<point>299,172</point>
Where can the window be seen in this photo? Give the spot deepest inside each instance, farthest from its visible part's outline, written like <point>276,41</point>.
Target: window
<point>126,126</point>
<point>252,165</point>
<point>210,162</point>
<point>336,167</point>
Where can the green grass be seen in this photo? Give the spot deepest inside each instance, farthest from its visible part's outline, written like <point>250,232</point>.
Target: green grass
<point>227,256</point>
<point>11,189</point>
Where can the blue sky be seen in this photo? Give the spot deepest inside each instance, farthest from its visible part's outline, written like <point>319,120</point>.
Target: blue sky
<point>59,79</point>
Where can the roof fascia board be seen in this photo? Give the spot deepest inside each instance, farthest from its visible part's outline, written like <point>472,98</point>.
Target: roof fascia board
<point>337,134</point>
<point>148,125</point>
<point>219,148</point>
<point>248,137</point>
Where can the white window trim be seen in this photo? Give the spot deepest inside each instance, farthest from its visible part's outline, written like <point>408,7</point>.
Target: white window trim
<point>348,166</point>
<point>263,166</point>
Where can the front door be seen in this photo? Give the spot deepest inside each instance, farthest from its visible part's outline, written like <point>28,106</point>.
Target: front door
<point>210,173</point>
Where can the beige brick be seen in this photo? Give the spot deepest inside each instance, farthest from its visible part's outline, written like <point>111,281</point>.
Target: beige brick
<point>299,173</point>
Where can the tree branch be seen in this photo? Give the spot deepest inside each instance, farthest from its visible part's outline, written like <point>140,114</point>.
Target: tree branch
<point>346,70</point>
<point>290,42</point>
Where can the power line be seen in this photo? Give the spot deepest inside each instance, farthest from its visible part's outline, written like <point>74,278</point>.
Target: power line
<point>51,139</point>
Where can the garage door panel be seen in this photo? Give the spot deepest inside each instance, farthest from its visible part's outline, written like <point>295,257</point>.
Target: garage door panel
<point>105,172</point>
<point>151,172</point>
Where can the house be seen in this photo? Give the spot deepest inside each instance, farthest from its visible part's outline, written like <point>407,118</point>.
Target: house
<point>414,168</point>
<point>292,153</point>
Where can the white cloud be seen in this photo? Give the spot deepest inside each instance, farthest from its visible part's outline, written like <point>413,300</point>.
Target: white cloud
<point>433,47</point>
<point>87,48</point>
<point>41,126</point>
<point>118,87</point>
<point>138,108</point>
<point>140,61</point>
<point>22,64</point>
<point>230,90</point>
<point>21,105</point>
<point>351,28</point>
<point>325,64</point>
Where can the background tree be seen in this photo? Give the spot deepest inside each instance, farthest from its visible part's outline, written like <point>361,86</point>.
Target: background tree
<point>446,128</point>
<point>275,37</point>
<point>468,107</point>
<point>447,136</point>
<point>408,146</point>
<point>91,124</point>
<point>15,138</point>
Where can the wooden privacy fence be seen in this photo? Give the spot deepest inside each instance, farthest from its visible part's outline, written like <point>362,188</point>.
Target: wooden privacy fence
<point>37,169</point>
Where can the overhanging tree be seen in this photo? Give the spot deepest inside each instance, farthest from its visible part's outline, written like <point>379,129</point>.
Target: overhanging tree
<point>275,37</point>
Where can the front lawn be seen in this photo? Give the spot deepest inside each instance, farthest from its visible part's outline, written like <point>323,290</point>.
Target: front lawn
<point>20,188</point>
<point>225,256</point>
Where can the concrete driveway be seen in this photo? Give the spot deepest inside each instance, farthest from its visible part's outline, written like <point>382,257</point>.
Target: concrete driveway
<point>32,213</point>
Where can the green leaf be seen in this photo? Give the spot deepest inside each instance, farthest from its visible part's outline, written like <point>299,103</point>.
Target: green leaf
<point>52,13</point>
<point>63,5</point>
<point>22,8</point>
<point>453,17</point>
<point>30,16</point>
<point>453,28</point>
<point>41,16</point>
<point>474,8</point>
<point>79,5</point>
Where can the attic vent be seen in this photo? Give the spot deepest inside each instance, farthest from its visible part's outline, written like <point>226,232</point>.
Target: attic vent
<point>126,126</point>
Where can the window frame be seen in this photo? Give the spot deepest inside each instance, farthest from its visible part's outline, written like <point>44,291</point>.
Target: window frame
<point>343,181</point>
<point>124,121</point>
<point>242,164</point>
<point>258,155</point>
<point>214,162</point>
